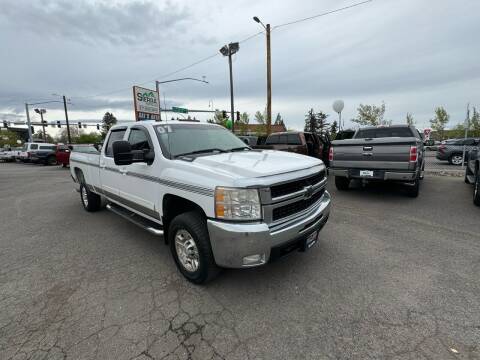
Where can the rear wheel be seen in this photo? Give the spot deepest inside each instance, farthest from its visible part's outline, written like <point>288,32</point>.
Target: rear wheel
<point>414,189</point>
<point>90,201</point>
<point>190,246</point>
<point>342,183</point>
<point>467,174</point>
<point>476,189</point>
<point>456,159</point>
<point>51,160</point>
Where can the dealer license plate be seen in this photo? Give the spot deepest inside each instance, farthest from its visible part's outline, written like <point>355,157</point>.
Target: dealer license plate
<point>366,173</point>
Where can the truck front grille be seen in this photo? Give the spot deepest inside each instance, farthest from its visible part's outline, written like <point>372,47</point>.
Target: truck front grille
<point>296,185</point>
<point>296,207</point>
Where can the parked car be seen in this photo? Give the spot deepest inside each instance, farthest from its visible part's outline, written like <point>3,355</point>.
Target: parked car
<point>304,143</point>
<point>452,150</point>
<point>472,173</point>
<point>45,154</point>
<point>217,202</point>
<point>387,153</point>
<point>28,149</point>
<point>249,139</point>
<point>63,152</point>
<point>8,154</point>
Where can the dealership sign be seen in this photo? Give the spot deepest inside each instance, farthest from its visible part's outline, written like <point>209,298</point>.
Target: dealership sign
<point>426,133</point>
<point>146,103</point>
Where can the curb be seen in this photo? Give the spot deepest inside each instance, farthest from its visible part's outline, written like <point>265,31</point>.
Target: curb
<point>453,173</point>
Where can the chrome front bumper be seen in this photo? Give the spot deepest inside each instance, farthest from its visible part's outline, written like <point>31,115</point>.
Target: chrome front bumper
<point>233,242</point>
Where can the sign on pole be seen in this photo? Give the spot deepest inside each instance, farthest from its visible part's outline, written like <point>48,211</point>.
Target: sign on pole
<point>426,133</point>
<point>146,104</point>
<point>176,109</point>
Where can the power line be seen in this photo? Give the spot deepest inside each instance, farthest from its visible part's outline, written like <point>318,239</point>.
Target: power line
<point>322,14</point>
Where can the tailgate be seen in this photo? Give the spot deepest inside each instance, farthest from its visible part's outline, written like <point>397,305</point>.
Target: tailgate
<point>386,153</point>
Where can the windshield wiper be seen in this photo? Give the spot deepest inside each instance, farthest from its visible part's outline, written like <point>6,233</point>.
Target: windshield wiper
<point>240,148</point>
<point>201,152</point>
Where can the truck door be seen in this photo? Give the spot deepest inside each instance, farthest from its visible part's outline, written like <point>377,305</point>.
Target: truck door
<point>111,175</point>
<point>140,189</point>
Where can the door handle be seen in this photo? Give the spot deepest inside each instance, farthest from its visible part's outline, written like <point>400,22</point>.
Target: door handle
<point>367,154</point>
<point>368,148</point>
<point>123,171</point>
<point>102,165</point>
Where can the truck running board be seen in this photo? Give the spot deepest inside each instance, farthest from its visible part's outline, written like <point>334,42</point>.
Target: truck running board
<point>138,220</point>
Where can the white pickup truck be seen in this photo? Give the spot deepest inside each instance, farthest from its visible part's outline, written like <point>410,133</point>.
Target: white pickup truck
<point>217,202</point>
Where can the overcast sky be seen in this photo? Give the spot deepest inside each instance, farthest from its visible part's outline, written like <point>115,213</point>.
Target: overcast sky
<point>412,54</point>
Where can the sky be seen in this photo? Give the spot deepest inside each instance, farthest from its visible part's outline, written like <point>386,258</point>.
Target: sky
<point>414,55</point>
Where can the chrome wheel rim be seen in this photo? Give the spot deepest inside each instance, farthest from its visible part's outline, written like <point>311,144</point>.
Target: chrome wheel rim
<point>187,251</point>
<point>457,160</point>
<point>84,196</point>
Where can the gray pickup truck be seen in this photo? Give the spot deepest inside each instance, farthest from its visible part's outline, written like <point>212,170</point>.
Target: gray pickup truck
<point>388,153</point>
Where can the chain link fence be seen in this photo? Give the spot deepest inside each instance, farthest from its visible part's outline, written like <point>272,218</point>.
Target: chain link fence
<point>449,155</point>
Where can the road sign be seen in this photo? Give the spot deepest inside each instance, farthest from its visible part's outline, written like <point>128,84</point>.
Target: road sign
<point>179,110</point>
<point>146,104</point>
<point>426,133</point>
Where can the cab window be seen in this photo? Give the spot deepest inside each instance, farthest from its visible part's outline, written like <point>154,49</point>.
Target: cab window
<point>138,138</point>
<point>114,136</point>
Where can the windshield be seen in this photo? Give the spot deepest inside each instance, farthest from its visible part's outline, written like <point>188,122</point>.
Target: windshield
<point>182,139</point>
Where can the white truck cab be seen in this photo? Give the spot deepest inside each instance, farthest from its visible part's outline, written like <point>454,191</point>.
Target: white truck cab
<point>217,202</point>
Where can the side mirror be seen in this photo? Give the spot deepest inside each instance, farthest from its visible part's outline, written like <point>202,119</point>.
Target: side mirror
<point>122,152</point>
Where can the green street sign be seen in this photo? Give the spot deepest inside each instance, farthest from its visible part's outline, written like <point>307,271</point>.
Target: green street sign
<point>179,110</point>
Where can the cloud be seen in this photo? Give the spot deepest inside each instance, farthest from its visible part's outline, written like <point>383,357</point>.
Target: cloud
<point>100,22</point>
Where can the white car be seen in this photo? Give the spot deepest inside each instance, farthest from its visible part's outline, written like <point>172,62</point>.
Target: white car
<point>28,148</point>
<point>217,202</point>
<point>8,154</point>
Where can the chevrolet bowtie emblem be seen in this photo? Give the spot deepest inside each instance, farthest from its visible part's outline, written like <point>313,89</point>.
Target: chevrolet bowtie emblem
<point>308,192</point>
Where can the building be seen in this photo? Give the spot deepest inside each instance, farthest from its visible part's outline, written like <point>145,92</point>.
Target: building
<point>257,129</point>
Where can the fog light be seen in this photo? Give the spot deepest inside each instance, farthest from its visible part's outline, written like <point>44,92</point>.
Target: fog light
<point>256,259</point>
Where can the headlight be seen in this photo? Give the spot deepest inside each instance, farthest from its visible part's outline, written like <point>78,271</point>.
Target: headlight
<point>237,204</point>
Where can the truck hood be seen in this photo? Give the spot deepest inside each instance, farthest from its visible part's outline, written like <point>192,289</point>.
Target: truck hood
<point>255,164</point>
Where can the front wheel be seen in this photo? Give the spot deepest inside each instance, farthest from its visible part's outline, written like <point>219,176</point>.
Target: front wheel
<point>190,246</point>
<point>456,159</point>
<point>51,161</point>
<point>90,201</point>
<point>342,183</point>
<point>476,189</point>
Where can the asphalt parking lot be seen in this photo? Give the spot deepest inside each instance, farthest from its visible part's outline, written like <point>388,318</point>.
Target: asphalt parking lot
<point>391,278</point>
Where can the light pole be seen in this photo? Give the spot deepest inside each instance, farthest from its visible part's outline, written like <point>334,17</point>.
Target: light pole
<point>157,83</point>
<point>229,50</point>
<point>269,76</point>
<point>66,116</point>
<point>41,112</point>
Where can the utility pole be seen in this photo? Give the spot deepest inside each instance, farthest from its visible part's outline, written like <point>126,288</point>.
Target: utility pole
<point>157,88</point>
<point>66,119</point>
<point>467,124</point>
<point>269,83</point>
<point>43,127</point>
<point>269,75</point>
<point>30,135</point>
<point>231,92</point>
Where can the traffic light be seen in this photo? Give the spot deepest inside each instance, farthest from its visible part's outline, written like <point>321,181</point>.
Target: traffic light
<point>238,115</point>
<point>79,125</point>
<point>224,114</point>
<point>58,124</point>
<point>32,129</point>
<point>98,127</point>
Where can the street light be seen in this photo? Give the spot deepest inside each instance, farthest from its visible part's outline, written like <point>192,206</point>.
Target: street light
<point>169,81</point>
<point>41,112</point>
<point>66,116</point>
<point>229,50</point>
<point>269,75</point>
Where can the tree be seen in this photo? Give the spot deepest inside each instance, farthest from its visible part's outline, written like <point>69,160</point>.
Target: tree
<point>333,129</point>
<point>244,118</point>
<point>370,115</point>
<point>260,117</point>
<point>90,138</point>
<point>39,135</point>
<point>8,138</point>
<point>107,122</point>
<point>62,136</point>
<point>316,122</point>
<point>409,119</point>
<point>279,120</point>
<point>475,120</point>
<point>440,120</point>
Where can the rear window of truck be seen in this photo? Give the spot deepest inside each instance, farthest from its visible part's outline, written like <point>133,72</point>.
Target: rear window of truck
<point>383,133</point>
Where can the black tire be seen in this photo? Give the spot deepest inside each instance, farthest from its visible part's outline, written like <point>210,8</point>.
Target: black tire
<point>64,165</point>
<point>196,226</point>
<point>91,202</point>
<point>414,190</point>
<point>342,183</point>
<point>467,174</point>
<point>476,189</point>
<point>51,160</point>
